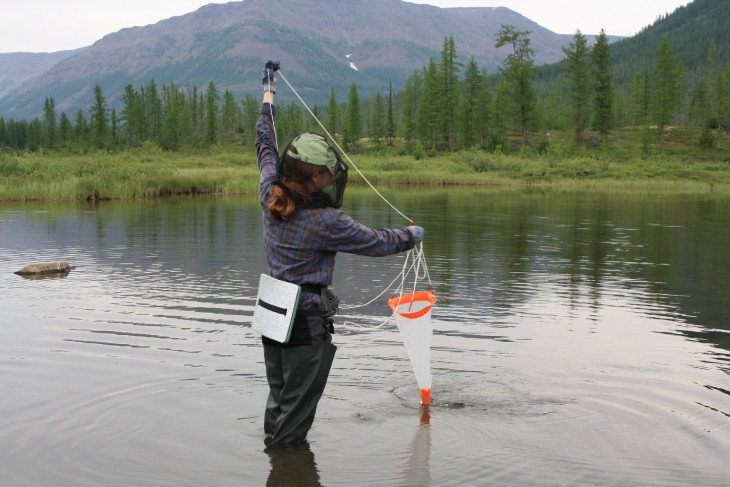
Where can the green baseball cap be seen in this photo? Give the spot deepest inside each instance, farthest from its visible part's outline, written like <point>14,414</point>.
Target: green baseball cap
<point>313,149</point>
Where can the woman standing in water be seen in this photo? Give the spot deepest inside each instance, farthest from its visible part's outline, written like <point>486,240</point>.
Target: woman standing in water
<point>301,193</point>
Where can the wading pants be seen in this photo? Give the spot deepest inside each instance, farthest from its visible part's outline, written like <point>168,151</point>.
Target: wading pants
<point>297,377</point>
<point>297,374</point>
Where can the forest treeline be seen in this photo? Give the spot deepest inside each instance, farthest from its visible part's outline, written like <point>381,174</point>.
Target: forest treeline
<point>448,105</point>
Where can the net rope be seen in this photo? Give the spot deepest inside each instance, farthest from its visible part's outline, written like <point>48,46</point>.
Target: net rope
<point>415,256</point>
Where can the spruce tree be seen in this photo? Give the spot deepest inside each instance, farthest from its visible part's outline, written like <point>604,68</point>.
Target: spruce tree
<point>114,128</point>
<point>131,115</point>
<point>4,135</point>
<point>80,128</point>
<point>428,120</point>
<point>390,119</point>
<point>411,100</point>
<point>602,85</point>
<point>578,83</point>
<point>332,109</point>
<point>170,131</point>
<point>152,112</point>
<point>65,129</point>
<point>49,123</point>
<point>34,134</point>
<point>665,86</point>
<point>99,120</point>
<point>377,126</point>
<point>251,107</point>
<point>469,111</point>
<point>446,111</point>
<point>723,109</point>
<point>354,121</point>
<point>211,114</point>
<point>231,116</point>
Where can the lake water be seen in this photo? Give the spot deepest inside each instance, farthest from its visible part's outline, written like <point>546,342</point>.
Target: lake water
<point>579,339</point>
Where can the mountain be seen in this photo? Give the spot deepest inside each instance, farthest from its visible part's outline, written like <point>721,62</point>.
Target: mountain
<point>19,67</point>
<point>690,30</point>
<point>320,44</point>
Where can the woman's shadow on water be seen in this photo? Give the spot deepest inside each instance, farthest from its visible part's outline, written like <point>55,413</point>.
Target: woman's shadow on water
<point>295,465</point>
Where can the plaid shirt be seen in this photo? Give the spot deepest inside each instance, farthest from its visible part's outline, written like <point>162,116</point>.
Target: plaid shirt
<point>302,249</point>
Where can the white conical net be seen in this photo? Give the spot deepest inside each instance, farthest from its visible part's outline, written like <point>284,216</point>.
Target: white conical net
<point>413,317</point>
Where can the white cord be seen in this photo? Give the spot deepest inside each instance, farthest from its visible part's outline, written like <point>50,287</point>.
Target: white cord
<point>342,151</point>
<point>418,259</point>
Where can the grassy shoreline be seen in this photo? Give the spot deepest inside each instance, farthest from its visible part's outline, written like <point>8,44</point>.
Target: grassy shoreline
<point>149,172</point>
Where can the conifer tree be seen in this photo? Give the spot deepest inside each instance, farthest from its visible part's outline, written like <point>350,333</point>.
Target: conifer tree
<point>211,114</point>
<point>390,119</point>
<point>65,129</point>
<point>34,131</point>
<point>723,109</point>
<point>251,107</point>
<point>602,85</point>
<point>377,127</point>
<point>665,89</point>
<point>578,83</point>
<point>354,122</point>
<point>710,111</point>
<point>152,104</point>
<point>411,100</point>
<point>4,138</point>
<point>132,114</point>
<point>231,116</point>
<point>517,71</point>
<point>99,120</point>
<point>332,115</point>
<point>114,128</point>
<point>469,112</point>
<point>49,123</point>
<point>80,127</point>
<point>446,111</point>
<point>427,120</point>
<point>172,105</point>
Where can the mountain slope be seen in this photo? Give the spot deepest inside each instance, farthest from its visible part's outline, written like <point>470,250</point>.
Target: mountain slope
<point>689,29</point>
<point>316,41</point>
<point>19,67</point>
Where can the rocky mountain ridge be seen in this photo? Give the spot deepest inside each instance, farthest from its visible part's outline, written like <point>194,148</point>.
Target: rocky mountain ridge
<point>318,43</point>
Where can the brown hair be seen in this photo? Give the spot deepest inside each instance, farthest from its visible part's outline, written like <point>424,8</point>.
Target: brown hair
<point>298,180</point>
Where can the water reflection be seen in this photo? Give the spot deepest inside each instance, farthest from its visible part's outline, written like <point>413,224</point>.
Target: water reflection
<point>292,466</point>
<point>44,277</point>
<point>578,339</point>
<point>418,470</point>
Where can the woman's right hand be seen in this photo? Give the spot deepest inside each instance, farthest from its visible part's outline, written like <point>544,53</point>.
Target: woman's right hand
<point>417,233</point>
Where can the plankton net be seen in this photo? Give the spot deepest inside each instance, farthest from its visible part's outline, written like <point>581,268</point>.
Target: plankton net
<point>412,313</point>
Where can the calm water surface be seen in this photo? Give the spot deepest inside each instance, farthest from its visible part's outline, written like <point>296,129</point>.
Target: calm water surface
<point>579,339</point>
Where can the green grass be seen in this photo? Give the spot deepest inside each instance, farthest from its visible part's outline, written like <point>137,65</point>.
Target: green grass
<point>631,160</point>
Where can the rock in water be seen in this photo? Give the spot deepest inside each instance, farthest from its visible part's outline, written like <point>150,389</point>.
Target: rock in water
<point>51,268</point>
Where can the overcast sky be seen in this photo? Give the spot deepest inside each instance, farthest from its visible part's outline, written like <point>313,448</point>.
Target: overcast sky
<point>53,25</point>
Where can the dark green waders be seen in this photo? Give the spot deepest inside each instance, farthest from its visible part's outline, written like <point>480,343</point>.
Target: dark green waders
<point>297,377</point>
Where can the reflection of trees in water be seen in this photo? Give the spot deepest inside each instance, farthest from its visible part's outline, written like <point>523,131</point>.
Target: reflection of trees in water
<point>487,249</point>
<point>499,247</point>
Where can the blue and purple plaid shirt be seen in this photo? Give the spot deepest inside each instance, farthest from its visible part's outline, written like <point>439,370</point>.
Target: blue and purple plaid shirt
<point>302,250</point>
